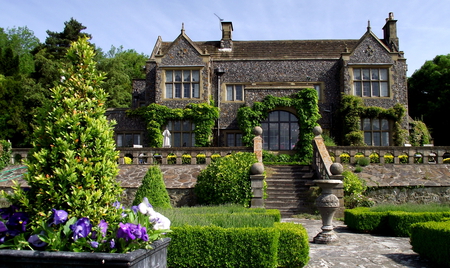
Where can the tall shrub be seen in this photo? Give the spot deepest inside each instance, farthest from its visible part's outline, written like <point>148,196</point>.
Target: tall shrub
<point>73,164</point>
<point>226,180</point>
<point>153,188</point>
<point>5,153</point>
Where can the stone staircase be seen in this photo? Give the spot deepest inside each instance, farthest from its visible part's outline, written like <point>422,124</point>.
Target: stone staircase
<point>288,189</point>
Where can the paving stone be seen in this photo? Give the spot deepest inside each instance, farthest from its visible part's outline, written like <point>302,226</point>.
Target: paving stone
<point>359,249</point>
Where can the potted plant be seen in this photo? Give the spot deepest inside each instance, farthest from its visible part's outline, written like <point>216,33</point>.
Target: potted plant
<point>68,216</point>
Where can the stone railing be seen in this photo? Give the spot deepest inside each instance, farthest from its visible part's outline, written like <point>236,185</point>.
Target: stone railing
<point>322,162</point>
<point>390,154</point>
<point>165,156</point>
<point>177,156</point>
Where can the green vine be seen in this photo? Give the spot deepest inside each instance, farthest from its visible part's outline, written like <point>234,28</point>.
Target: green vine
<point>305,103</point>
<point>419,134</point>
<point>353,109</point>
<point>203,115</point>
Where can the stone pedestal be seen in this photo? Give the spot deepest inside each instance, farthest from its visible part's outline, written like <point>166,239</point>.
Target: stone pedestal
<point>327,204</point>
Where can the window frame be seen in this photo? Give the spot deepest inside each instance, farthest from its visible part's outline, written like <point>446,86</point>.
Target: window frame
<point>179,136</point>
<point>234,93</point>
<point>272,140</point>
<point>371,83</point>
<point>378,131</point>
<point>122,136</point>
<point>237,139</point>
<point>178,86</point>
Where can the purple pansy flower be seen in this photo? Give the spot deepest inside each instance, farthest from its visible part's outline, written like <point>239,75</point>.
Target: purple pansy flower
<point>94,244</point>
<point>124,231</point>
<point>3,227</point>
<point>18,221</point>
<point>135,209</point>
<point>112,243</point>
<point>103,225</point>
<point>35,241</point>
<point>81,228</point>
<point>59,216</point>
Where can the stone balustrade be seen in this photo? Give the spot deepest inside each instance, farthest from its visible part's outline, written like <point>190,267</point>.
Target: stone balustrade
<point>146,155</point>
<point>391,154</point>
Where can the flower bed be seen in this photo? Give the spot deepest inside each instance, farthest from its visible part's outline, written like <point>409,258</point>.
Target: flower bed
<point>136,229</point>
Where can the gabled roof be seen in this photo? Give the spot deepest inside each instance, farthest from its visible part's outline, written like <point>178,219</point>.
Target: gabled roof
<point>279,49</point>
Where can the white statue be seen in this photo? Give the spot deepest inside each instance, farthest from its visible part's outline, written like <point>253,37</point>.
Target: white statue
<point>166,138</point>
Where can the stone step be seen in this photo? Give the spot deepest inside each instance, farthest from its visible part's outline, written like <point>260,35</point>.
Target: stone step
<point>287,189</point>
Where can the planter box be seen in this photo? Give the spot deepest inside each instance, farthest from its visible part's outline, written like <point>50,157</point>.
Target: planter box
<point>156,257</point>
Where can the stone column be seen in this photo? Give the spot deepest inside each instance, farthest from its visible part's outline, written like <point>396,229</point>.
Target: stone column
<point>257,184</point>
<point>257,143</point>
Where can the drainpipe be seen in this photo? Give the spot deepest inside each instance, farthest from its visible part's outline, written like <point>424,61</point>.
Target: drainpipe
<point>219,72</point>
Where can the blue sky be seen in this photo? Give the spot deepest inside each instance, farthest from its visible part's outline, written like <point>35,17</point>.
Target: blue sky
<point>423,27</point>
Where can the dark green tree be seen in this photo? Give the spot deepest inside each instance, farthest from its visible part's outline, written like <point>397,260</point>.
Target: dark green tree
<point>429,97</point>
<point>73,163</point>
<point>9,63</point>
<point>121,67</point>
<point>22,41</point>
<point>154,189</point>
<point>49,56</point>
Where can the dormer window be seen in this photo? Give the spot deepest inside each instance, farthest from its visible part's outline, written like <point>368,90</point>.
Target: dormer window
<point>371,82</point>
<point>182,84</point>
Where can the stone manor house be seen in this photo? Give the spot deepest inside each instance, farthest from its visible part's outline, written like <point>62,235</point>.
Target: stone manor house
<point>236,73</point>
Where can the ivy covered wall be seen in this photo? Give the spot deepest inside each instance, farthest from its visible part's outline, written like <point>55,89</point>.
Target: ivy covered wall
<point>203,115</point>
<point>353,109</point>
<point>305,104</point>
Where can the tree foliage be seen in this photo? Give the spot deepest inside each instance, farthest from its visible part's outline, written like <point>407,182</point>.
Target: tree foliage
<point>28,69</point>
<point>429,96</point>
<point>226,181</point>
<point>73,163</point>
<point>121,67</point>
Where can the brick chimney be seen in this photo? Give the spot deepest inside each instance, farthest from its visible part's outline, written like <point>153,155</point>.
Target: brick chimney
<point>226,43</point>
<point>390,33</point>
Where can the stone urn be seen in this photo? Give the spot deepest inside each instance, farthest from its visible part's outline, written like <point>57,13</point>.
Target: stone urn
<point>327,203</point>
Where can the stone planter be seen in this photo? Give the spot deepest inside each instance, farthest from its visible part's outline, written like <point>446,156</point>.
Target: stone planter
<point>156,257</point>
<point>327,204</point>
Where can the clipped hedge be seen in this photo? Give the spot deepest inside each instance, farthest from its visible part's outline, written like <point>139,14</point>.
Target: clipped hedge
<point>363,220</point>
<point>430,240</point>
<point>293,247</point>
<point>400,222</point>
<point>284,245</point>
<point>390,222</point>
<point>213,246</point>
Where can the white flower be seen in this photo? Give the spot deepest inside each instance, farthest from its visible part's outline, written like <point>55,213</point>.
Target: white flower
<point>160,222</point>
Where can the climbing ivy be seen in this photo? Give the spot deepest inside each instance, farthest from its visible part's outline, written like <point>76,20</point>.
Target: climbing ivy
<point>203,115</point>
<point>419,134</point>
<point>304,102</point>
<point>353,109</point>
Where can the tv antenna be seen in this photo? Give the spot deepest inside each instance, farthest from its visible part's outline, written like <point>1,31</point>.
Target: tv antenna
<point>220,19</point>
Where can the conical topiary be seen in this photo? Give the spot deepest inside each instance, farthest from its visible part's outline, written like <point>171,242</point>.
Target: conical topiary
<point>153,188</point>
<point>73,164</point>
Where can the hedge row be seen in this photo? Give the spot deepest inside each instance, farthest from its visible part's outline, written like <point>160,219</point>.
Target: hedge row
<point>431,240</point>
<point>284,245</point>
<point>395,223</point>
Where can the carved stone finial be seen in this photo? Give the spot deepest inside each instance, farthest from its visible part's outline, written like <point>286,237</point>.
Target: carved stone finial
<point>368,25</point>
<point>182,27</point>
<point>317,130</point>
<point>258,131</point>
<point>336,169</point>
<point>257,169</point>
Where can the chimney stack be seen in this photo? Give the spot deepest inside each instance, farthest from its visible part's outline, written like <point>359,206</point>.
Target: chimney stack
<point>226,44</point>
<point>390,33</point>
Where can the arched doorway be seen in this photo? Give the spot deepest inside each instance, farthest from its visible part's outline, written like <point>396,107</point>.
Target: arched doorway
<point>280,131</point>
